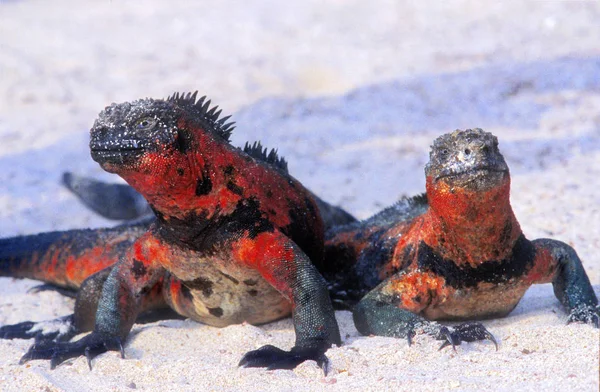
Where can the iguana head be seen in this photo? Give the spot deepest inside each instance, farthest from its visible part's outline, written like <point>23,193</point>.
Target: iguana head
<point>467,159</point>
<point>468,183</point>
<point>468,190</point>
<point>166,149</point>
<point>124,134</point>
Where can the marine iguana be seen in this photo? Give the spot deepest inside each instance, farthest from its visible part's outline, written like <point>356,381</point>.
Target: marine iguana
<point>234,240</point>
<point>456,252</point>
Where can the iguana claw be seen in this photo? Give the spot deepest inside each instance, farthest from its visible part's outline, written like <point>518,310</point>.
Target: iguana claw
<point>466,332</point>
<point>90,346</point>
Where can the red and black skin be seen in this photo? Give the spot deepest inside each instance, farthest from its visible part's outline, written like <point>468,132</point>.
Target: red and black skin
<point>233,240</point>
<point>454,253</point>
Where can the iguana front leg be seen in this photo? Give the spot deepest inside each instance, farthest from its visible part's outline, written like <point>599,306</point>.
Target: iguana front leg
<point>285,266</point>
<point>132,285</point>
<point>558,263</point>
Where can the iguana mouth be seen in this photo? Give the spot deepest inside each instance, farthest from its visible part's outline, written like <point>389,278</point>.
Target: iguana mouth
<point>115,150</point>
<point>116,154</point>
<point>472,171</point>
<point>107,151</point>
<point>122,145</point>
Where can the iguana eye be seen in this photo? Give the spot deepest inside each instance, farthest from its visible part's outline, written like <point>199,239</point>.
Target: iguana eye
<point>145,123</point>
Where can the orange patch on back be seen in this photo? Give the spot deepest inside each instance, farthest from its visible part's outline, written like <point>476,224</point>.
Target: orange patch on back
<point>90,262</point>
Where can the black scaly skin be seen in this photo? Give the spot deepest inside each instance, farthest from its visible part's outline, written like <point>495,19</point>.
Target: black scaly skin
<point>232,241</point>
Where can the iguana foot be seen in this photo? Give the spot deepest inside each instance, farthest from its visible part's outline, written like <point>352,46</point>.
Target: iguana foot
<point>466,332</point>
<point>586,314</point>
<point>272,358</point>
<point>60,329</point>
<point>91,346</point>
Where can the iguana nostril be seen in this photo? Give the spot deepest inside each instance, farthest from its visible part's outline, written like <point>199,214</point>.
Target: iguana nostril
<point>467,151</point>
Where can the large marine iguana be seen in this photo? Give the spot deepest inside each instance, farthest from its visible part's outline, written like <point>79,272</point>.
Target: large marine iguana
<point>234,240</point>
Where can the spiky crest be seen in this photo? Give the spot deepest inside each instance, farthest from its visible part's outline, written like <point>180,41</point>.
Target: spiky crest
<point>201,109</point>
<point>404,209</point>
<point>256,150</point>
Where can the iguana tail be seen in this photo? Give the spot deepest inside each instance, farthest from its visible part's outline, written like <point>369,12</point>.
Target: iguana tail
<point>65,258</point>
<point>112,201</point>
<point>333,215</point>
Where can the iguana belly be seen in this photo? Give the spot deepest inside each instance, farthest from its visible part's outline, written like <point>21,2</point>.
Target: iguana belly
<point>487,300</point>
<point>220,296</point>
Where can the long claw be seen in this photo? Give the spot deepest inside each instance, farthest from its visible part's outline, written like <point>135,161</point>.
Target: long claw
<point>89,346</point>
<point>445,344</point>
<point>410,335</point>
<point>55,361</point>
<point>491,337</point>
<point>121,349</point>
<point>323,363</point>
<point>261,357</point>
<point>451,338</point>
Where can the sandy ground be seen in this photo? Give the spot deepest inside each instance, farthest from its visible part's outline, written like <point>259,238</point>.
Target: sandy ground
<point>352,93</point>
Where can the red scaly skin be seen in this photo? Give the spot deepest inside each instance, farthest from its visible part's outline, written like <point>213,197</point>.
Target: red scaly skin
<point>463,224</point>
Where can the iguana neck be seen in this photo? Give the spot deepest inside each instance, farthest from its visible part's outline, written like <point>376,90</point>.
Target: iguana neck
<point>471,226</point>
<point>188,183</point>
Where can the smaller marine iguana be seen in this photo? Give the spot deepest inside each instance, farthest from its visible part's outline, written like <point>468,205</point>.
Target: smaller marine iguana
<point>454,253</point>
<point>233,240</point>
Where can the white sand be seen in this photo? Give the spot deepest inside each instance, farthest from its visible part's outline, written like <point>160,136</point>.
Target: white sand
<point>352,93</point>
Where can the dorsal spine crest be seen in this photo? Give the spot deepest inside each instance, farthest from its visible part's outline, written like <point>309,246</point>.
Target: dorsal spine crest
<point>204,113</point>
<point>257,151</point>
